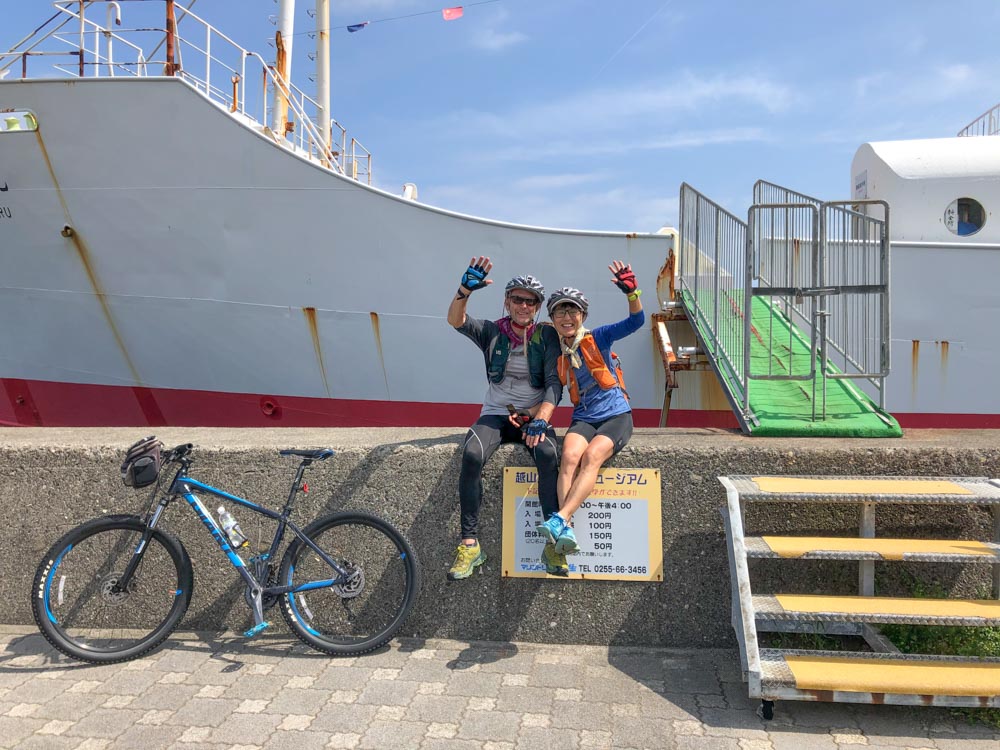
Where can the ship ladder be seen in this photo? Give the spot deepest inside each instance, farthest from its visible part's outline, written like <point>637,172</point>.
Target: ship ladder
<point>882,675</point>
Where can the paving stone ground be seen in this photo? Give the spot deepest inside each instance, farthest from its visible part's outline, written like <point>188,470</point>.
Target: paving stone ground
<point>219,692</point>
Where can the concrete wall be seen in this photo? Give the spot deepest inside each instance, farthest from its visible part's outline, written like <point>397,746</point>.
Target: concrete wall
<point>52,479</point>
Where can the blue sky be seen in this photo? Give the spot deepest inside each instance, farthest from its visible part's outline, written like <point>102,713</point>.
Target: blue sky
<point>587,114</point>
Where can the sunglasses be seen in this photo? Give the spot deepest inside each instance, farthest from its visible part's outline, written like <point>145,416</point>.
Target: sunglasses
<point>527,301</point>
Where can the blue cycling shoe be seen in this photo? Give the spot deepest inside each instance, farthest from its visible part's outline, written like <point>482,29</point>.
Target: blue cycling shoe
<point>559,533</point>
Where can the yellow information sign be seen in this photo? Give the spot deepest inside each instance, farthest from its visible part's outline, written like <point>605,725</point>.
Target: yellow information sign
<point>618,527</point>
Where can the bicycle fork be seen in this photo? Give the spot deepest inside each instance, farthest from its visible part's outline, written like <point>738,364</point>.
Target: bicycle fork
<point>121,586</point>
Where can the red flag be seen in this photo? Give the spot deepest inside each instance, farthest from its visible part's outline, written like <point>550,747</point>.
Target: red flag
<point>450,14</point>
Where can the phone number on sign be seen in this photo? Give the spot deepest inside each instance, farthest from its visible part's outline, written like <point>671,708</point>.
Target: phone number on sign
<point>617,569</point>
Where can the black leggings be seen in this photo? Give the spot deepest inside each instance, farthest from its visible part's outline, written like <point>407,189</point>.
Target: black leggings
<point>482,440</point>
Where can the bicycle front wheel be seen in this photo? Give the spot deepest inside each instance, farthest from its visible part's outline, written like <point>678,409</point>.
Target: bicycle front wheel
<point>79,607</point>
<point>366,609</point>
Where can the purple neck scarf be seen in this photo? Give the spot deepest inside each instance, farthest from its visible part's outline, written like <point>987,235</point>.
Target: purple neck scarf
<point>507,328</point>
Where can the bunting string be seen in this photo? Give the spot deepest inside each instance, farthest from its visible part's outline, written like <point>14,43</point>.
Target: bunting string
<point>448,14</point>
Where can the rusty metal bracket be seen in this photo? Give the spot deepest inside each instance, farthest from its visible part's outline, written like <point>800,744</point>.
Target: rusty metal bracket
<point>672,360</point>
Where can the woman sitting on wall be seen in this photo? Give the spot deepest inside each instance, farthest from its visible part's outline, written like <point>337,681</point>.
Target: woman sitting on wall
<point>602,418</point>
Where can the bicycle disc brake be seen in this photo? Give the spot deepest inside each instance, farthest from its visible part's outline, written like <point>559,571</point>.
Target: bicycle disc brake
<point>110,592</point>
<point>354,584</point>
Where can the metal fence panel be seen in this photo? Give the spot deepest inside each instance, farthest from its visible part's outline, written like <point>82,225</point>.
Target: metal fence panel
<point>856,249</point>
<point>785,257</point>
<point>768,192</point>
<point>712,280</point>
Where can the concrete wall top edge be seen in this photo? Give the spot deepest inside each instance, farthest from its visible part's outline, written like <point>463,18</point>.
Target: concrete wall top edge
<point>361,438</point>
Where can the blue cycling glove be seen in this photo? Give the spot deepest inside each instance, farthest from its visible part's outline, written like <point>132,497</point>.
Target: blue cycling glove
<point>536,427</point>
<point>474,277</point>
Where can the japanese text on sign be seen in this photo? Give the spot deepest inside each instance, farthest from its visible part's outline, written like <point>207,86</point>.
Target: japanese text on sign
<point>618,527</point>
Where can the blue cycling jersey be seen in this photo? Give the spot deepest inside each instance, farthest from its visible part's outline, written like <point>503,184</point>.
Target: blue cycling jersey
<point>597,404</point>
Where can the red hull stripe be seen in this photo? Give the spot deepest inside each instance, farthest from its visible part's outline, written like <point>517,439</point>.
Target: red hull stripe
<point>39,402</point>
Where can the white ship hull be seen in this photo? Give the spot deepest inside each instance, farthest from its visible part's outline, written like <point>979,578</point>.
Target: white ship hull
<point>165,263</point>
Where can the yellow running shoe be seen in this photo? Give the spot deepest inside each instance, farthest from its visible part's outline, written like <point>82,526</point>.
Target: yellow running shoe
<point>467,559</point>
<point>555,562</point>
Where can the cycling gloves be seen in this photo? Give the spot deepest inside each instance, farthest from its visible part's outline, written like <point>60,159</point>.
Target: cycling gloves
<point>625,280</point>
<point>474,277</point>
<point>536,427</point>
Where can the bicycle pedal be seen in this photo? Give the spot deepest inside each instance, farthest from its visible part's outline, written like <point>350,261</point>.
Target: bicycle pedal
<point>256,630</point>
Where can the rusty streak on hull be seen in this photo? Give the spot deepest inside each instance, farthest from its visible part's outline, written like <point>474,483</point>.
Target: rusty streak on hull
<point>945,346</point>
<point>376,329</point>
<point>83,253</point>
<point>310,313</point>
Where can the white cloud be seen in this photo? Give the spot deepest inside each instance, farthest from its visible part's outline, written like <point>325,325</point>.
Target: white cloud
<point>621,147</point>
<point>918,88</point>
<point>496,41</point>
<point>868,83</point>
<point>603,109</point>
<point>550,181</point>
<point>956,74</point>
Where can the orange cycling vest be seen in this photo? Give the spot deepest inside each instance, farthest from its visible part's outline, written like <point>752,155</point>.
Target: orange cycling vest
<point>592,358</point>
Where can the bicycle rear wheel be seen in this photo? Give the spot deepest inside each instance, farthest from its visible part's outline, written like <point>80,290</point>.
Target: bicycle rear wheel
<point>75,603</point>
<point>369,608</point>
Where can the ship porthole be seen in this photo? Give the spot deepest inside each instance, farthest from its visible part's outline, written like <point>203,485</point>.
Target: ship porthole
<point>964,216</point>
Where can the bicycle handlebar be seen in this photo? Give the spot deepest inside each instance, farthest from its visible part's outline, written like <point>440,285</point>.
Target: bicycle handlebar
<point>178,452</point>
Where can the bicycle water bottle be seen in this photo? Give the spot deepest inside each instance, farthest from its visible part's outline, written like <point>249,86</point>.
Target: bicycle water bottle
<point>231,528</point>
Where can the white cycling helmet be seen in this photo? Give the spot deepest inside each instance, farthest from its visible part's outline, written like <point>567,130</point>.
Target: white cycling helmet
<point>528,284</point>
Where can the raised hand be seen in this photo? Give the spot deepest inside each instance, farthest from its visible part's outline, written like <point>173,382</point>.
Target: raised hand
<point>475,275</point>
<point>624,277</point>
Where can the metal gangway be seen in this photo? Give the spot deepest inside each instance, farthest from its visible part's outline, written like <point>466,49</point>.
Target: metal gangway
<point>791,308</point>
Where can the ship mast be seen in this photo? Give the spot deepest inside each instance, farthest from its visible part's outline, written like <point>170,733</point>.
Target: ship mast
<point>323,74</point>
<point>283,65</point>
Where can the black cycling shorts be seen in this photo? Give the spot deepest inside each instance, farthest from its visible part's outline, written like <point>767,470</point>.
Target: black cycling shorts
<point>618,429</point>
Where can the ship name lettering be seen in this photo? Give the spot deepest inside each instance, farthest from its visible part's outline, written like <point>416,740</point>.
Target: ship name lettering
<point>5,212</point>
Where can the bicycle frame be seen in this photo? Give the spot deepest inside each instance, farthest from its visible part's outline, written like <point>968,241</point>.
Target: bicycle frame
<point>185,486</point>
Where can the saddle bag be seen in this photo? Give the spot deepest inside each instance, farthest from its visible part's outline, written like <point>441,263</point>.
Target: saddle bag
<point>142,462</point>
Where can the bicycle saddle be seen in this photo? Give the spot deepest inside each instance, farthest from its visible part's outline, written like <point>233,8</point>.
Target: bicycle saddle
<point>317,454</point>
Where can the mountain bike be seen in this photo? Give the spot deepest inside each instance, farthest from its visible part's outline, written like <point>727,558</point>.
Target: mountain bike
<point>115,587</point>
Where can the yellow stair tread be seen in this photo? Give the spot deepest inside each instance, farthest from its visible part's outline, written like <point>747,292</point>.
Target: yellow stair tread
<point>841,486</point>
<point>889,549</point>
<point>912,677</point>
<point>958,608</point>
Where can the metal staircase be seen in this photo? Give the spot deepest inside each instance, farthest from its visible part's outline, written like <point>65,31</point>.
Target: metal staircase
<point>882,675</point>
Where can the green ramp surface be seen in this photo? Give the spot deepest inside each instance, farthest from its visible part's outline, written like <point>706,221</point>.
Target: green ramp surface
<point>784,408</point>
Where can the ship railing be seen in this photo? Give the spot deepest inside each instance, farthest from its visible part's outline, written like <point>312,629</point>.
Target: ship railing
<point>988,123</point>
<point>359,162</point>
<point>216,65</point>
